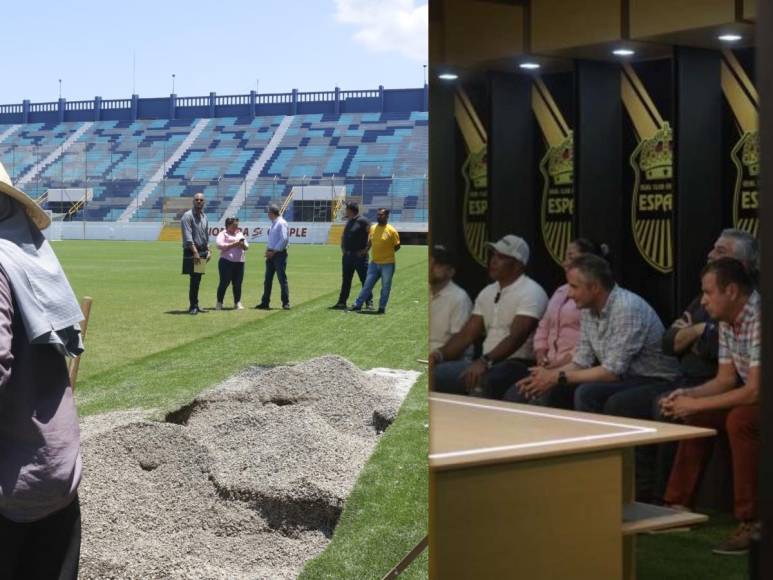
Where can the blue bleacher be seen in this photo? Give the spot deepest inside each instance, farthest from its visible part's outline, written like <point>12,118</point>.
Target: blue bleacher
<point>117,159</point>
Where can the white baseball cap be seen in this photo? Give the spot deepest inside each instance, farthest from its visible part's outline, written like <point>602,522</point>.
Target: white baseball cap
<point>512,246</point>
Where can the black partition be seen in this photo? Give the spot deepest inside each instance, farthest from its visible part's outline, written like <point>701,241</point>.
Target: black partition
<point>765,84</point>
<point>598,156</point>
<point>444,204</point>
<point>697,164</point>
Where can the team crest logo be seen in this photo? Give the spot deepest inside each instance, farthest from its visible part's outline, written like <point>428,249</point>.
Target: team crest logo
<point>557,214</point>
<point>746,157</point>
<point>653,199</point>
<point>474,220</point>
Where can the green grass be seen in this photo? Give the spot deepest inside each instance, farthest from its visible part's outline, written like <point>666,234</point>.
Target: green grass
<point>144,351</point>
<point>687,556</point>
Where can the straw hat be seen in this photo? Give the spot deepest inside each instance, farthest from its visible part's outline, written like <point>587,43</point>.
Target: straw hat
<point>37,215</point>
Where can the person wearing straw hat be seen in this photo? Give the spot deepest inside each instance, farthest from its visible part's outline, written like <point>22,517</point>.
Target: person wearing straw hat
<point>40,461</point>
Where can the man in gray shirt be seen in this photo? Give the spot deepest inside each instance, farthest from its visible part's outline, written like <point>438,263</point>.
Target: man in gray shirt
<point>195,230</point>
<point>619,348</point>
<point>40,461</point>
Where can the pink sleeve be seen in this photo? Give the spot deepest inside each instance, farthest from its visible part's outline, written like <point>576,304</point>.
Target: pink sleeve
<point>541,335</point>
<point>220,241</point>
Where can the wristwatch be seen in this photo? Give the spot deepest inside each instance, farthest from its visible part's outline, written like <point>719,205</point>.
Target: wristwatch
<point>486,359</point>
<point>562,381</point>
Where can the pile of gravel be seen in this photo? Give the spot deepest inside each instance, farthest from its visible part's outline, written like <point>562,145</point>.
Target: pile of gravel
<point>246,481</point>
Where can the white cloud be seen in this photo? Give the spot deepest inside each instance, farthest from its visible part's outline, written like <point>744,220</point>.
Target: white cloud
<point>388,25</point>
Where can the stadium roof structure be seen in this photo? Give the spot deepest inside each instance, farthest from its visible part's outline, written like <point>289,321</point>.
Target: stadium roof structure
<point>295,102</point>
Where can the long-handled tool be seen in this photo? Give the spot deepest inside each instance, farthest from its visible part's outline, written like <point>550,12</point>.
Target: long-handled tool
<point>86,308</point>
<point>406,561</point>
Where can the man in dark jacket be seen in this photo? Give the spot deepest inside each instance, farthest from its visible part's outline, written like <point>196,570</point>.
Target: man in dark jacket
<point>354,253</point>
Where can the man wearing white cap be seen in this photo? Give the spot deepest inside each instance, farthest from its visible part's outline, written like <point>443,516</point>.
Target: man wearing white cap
<point>506,312</point>
<point>40,462</point>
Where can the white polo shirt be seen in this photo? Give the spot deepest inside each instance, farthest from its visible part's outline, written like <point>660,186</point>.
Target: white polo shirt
<point>524,297</point>
<point>449,310</point>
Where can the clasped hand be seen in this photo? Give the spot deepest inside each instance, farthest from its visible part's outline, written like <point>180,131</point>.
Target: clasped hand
<point>539,381</point>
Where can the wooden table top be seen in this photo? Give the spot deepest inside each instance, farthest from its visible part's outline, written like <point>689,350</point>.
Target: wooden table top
<point>467,431</point>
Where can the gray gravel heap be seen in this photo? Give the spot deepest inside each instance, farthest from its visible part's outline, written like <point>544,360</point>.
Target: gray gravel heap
<point>247,481</point>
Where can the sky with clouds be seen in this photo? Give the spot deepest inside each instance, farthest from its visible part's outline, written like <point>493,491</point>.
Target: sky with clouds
<point>111,48</point>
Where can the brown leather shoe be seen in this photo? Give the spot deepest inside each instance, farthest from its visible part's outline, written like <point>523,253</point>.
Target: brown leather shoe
<point>738,543</point>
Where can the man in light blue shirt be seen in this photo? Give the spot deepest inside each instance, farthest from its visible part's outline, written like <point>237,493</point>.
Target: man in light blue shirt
<point>276,259</point>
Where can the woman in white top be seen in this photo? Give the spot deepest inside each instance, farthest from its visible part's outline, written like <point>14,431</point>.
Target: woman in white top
<point>232,245</point>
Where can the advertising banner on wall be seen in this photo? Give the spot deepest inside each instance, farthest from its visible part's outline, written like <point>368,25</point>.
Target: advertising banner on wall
<point>556,167</point>
<point>300,232</point>
<point>743,101</point>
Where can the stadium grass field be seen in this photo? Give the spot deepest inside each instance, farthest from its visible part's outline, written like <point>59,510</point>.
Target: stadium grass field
<point>145,351</point>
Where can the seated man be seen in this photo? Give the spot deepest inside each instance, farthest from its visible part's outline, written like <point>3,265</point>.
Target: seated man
<point>694,338</point>
<point>506,313</point>
<point>450,307</point>
<point>618,329</point>
<point>723,403</point>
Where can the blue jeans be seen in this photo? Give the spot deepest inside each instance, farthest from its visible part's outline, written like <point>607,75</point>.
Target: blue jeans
<point>276,264</point>
<point>446,377</point>
<point>376,271</point>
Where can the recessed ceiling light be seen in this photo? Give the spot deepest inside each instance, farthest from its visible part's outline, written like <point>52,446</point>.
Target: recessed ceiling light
<point>529,65</point>
<point>448,76</point>
<point>729,37</point>
<point>623,52</point>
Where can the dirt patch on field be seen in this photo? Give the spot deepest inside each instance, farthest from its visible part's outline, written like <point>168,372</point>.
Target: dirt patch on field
<point>246,481</point>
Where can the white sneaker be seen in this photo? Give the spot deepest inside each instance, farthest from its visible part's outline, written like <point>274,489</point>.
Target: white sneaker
<point>238,306</point>
<point>219,306</point>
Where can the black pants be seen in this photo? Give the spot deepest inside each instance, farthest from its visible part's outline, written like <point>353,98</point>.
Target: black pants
<point>230,273</point>
<point>276,264</point>
<point>43,550</point>
<point>193,290</point>
<point>351,263</point>
<point>653,462</point>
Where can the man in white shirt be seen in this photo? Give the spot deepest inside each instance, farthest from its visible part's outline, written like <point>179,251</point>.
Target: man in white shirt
<point>276,259</point>
<point>450,306</point>
<point>506,313</point>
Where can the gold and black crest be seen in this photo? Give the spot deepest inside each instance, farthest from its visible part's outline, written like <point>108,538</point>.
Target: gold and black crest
<point>652,161</point>
<point>743,100</point>
<point>475,174</point>
<point>557,169</point>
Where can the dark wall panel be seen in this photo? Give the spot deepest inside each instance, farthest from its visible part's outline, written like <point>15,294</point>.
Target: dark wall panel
<point>765,79</point>
<point>598,159</point>
<point>698,165</point>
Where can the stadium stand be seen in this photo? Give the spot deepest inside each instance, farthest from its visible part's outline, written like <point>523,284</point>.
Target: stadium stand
<point>147,169</point>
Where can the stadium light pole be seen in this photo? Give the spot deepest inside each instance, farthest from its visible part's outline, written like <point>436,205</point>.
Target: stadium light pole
<point>424,67</point>
<point>60,88</point>
<point>173,83</point>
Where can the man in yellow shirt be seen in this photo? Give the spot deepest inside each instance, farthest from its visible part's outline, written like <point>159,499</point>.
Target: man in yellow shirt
<point>384,241</point>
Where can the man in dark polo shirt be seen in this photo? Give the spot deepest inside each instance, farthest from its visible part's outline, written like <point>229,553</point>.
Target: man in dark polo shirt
<point>354,250</point>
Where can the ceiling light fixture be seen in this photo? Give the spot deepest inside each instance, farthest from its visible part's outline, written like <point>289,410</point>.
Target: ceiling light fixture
<point>729,37</point>
<point>529,65</point>
<point>623,52</point>
<point>448,76</point>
